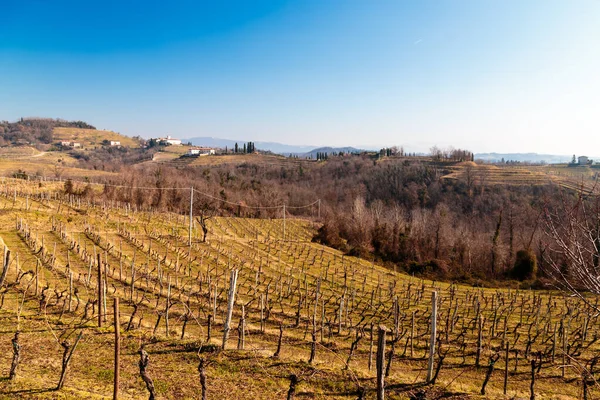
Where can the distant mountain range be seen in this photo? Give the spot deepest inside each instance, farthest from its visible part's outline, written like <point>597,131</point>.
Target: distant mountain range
<point>330,150</point>
<point>308,151</point>
<point>277,148</point>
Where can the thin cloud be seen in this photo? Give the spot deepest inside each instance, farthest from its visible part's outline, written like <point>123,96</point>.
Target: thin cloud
<point>418,41</point>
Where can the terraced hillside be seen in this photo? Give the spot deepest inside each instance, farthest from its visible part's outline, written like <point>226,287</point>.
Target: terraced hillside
<point>248,158</point>
<point>304,318</point>
<point>47,164</point>
<point>486,174</point>
<point>91,137</point>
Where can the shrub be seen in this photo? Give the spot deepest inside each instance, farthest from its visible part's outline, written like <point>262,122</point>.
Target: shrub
<point>20,174</point>
<point>69,189</point>
<point>431,268</point>
<point>329,234</point>
<point>525,267</point>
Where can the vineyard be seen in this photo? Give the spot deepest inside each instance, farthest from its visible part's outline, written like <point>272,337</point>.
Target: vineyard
<point>91,137</point>
<point>256,310</point>
<point>51,164</point>
<point>573,178</point>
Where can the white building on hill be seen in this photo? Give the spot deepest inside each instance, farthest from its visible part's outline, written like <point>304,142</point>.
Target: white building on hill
<point>200,151</point>
<point>169,140</point>
<point>70,144</point>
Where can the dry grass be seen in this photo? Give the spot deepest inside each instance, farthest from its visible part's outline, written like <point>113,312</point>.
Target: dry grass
<point>91,137</point>
<point>247,158</point>
<point>162,156</point>
<point>180,150</point>
<point>50,170</point>
<point>485,174</point>
<point>18,152</point>
<point>31,155</point>
<point>285,267</point>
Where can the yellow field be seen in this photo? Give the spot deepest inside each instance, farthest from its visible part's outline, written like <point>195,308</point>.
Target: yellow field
<point>162,156</point>
<point>285,280</point>
<point>247,158</point>
<point>91,137</point>
<point>176,160</point>
<point>179,150</point>
<point>50,164</point>
<point>486,174</point>
<point>171,153</point>
<point>14,152</point>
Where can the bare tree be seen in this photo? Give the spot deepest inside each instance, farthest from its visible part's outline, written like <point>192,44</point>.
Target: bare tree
<point>59,168</point>
<point>202,219</point>
<point>572,231</point>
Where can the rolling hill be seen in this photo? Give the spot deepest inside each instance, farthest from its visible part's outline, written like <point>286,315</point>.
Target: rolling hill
<point>92,137</point>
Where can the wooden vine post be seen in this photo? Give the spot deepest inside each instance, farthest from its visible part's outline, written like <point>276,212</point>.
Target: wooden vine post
<point>6,264</point>
<point>371,347</point>
<point>37,276</point>
<point>379,363</point>
<point>230,302</point>
<point>479,341</point>
<point>117,349</point>
<point>100,292</point>
<point>433,336</point>
<point>506,355</point>
<point>284,221</point>
<point>532,384</point>
<point>191,215</point>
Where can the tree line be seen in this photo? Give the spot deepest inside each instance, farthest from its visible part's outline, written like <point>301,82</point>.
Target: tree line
<point>400,212</point>
<point>34,131</point>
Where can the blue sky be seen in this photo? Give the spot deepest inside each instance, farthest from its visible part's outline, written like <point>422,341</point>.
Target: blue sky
<point>506,76</point>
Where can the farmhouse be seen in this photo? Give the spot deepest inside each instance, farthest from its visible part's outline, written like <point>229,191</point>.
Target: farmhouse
<point>169,140</point>
<point>200,151</point>
<point>115,143</point>
<point>583,160</point>
<point>70,144</point>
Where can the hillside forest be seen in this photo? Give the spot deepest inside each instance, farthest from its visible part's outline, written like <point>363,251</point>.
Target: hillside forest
<point>399,212</point>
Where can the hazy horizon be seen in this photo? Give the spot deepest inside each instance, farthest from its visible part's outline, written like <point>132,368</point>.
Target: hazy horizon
<point>504,77</point>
